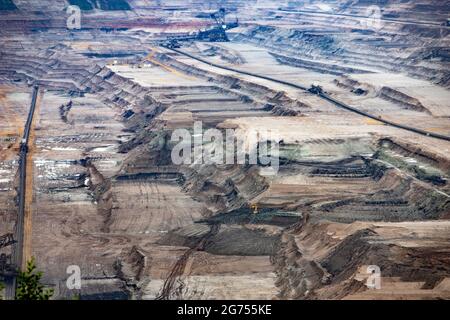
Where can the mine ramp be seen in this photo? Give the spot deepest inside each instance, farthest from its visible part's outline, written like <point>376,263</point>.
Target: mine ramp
<point>22,179</point>
<point>16,259</point>
<point>317,90</point>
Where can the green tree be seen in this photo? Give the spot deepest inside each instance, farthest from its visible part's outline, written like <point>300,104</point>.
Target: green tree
<point>29,286</point>
<point>2,286</point>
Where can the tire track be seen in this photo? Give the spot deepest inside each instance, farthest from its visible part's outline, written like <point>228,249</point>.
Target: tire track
<point>180,266</point>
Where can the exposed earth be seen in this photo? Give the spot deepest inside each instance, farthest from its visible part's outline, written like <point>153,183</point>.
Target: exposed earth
<point>350,192</point>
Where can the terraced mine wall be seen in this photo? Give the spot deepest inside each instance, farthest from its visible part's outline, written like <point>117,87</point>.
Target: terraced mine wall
<point>324,46</point>
<point>349,193</point>
<point>103,5</point>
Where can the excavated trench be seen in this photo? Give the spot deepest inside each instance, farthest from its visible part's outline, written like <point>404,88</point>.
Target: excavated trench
<point>206,211</point>
<point>229,190</point>
<point>332,276</point>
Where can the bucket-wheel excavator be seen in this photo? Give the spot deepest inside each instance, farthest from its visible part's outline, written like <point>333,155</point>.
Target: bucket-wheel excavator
<point>215,33</point>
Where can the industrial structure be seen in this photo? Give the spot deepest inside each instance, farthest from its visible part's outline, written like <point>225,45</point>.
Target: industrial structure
<point>215,33</point>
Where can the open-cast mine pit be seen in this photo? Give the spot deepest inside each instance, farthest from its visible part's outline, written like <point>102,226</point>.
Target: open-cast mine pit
<point>352,109</point>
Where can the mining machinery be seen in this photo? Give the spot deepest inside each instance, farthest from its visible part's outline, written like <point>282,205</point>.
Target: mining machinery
<point>215,33</point>
<point>316,89</point>
<point>7,269</point>
<point>218,32</point>
<point>6,240</point>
